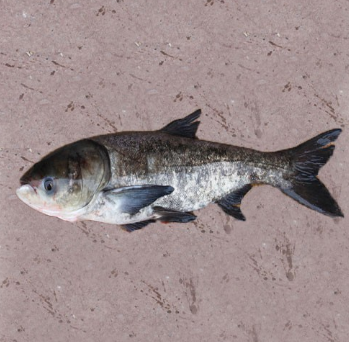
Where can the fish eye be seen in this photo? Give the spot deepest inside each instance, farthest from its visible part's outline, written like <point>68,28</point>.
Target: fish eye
<point>49,184</point>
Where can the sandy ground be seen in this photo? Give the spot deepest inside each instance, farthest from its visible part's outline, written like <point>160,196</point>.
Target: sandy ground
<point>267,75</point>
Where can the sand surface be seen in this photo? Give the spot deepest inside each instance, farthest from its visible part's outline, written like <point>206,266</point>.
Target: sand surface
<point>267,75</point>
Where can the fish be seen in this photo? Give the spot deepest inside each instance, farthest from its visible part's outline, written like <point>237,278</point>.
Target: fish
<point>136,178</point>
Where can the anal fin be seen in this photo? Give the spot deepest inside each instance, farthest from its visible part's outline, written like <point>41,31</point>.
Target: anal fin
<point>230,204</point>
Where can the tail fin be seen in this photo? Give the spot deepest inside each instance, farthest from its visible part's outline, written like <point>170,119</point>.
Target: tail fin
<point>307,159</point>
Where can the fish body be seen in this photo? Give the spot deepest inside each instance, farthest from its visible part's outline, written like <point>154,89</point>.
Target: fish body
<point>135,178</point>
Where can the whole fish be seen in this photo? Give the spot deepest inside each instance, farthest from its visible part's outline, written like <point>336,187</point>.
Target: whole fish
<point>135,178</point>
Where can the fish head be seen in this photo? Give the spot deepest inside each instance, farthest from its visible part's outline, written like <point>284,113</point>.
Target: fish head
<point>66,180</point>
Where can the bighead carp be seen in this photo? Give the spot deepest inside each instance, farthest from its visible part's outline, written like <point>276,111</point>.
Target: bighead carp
<point>135,178</point>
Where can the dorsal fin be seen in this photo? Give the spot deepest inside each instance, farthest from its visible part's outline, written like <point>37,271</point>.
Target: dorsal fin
<point>185,127</point>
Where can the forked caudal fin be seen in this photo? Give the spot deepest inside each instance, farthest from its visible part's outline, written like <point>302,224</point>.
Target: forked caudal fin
<point>307,159</point>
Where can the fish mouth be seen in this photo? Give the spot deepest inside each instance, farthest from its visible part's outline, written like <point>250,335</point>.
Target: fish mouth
<point>24,192</point>
<point>28,194</point>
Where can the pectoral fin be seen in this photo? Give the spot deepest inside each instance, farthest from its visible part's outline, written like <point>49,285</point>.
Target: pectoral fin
<point>132,199</point>
<point>231,203</point>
